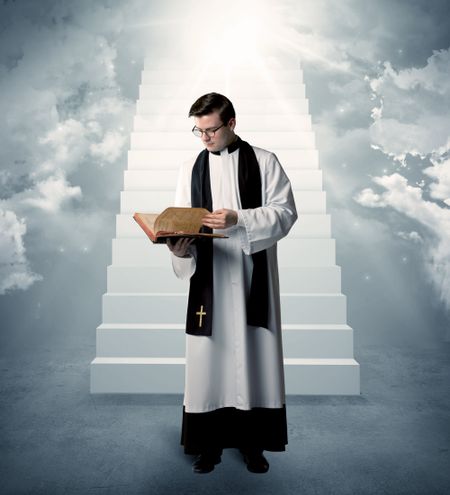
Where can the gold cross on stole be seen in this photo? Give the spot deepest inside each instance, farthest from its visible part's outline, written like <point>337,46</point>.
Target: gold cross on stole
<point>200,313</point>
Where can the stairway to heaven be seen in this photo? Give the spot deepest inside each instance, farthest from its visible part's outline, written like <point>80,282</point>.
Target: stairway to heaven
<point>140,344</point>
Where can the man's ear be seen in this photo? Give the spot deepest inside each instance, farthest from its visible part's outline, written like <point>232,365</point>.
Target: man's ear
<point>232,123</point>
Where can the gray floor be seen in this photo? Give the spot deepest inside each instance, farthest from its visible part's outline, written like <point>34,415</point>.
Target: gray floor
<point>393,439</point>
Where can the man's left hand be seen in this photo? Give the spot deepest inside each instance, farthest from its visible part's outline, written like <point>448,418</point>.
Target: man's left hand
<point>220,219</point>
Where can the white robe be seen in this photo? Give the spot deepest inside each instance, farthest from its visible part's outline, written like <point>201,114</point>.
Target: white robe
<point>238,366</point>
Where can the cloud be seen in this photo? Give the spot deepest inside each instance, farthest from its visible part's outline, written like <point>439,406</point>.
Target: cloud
<point>63,115</point>
<point>433,77</point>
<point>412,114</point>
<point>440,173</point>
<point>412,121</point>
<point>14,270</point>
<point>408,200</point>
<point>313,48</point>
<point>110,148</point>
<point>434,219</point>
<point>49,194</point>
<point>65,144</point>
<point>413,236</point>
<point>367,197</point>
<point>398,139</point>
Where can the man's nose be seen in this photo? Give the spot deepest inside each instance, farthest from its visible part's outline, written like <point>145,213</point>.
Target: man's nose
<point>205,137</point>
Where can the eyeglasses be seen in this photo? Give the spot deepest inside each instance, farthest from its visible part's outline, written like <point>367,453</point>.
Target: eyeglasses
<point>209,132</point>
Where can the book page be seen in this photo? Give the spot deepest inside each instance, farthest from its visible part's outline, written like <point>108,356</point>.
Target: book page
<point>177,219</point>
<point>149,220</point>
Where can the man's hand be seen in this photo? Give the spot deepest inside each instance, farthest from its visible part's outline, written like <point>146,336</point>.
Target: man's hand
<point>180,246</point>
<point>220,219</point>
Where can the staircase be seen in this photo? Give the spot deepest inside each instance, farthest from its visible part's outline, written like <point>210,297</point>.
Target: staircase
<point>140,343</point>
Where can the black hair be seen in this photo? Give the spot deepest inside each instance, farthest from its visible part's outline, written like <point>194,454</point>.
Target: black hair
<point>211,102</point>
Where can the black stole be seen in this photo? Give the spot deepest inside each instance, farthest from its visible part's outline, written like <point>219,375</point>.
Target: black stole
<point>200,303</point>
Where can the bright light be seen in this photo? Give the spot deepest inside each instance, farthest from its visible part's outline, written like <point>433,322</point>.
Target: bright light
<point>240,42</point>
<point>228,33</point>
<point>223,46</point>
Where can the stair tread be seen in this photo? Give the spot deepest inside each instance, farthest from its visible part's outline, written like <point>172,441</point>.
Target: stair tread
<point>316,326</point>
<point>178,326</point>
<point>321,361</point>
<point>138,326</point>
<point>177,294</point>
<point>138,360</point>
<point>171,360</point>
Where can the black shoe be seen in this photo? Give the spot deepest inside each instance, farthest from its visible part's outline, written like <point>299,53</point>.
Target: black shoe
<point>204,463</point>
<point>256,462</point>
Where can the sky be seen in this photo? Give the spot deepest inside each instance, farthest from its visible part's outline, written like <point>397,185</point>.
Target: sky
<point>377,77</point>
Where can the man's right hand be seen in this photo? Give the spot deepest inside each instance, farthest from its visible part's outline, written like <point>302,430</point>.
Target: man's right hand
<point>180,246</point>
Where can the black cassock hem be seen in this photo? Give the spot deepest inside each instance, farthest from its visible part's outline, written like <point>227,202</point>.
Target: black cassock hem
<point>228,427</point>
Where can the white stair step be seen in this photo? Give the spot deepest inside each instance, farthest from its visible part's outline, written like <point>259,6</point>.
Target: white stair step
<point>129,375</point>
<point>146,201</point>
<point>128,251</point>
<point>140,340</point>
<point>160,340</point>
<point>307,225</point>
<point>306,252</point>
<point>317,341</point>
<point>300,279</point>
<point>237,89</point>
<point>169,308</point>
<point>322,376</point>
<point>157,201</point>
<point>197,63</point>
<point>165,141</point>
<point>166,376</point>
<point>310,279</point>
<point>123,279</point>
<point>186,140</point>
<point>313,308</point>
<point>150,159</point>
<point>153,308</point>
<point>313,202</point>
<point>136,180</point>
<point>150,76</point>
<point>297,158</point>
<point>245,123</point>
<point>286,106</point>
<point>173,159</point>
<point>311,225</point>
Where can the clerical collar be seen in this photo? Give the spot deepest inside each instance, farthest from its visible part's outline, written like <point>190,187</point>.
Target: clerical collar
<point>231,147</point>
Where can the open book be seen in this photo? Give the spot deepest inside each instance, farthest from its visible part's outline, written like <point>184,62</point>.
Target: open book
<point>174,222</point>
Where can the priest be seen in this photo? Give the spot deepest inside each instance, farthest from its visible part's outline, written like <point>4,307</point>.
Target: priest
<point>234,379</point>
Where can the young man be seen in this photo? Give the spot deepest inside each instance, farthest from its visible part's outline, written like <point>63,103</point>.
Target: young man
<point>234,384</point>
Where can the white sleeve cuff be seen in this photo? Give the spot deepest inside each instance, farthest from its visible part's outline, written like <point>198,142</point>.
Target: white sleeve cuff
<point>240,219</point>
<point>243,232</point>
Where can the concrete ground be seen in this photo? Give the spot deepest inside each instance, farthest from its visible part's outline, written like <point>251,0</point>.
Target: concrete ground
<point>56,438</point>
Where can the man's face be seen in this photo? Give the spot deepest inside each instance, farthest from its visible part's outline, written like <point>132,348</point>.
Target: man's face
<point>222,137</point>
